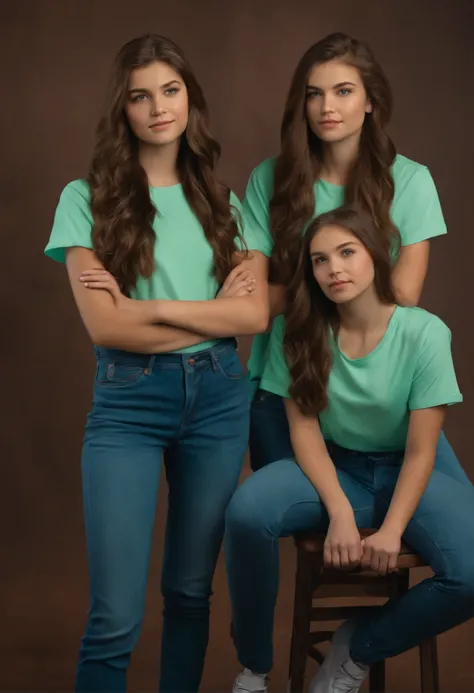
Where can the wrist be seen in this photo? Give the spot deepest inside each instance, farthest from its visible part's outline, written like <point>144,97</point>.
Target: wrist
<point>393,526</point>
<point>340,509</point>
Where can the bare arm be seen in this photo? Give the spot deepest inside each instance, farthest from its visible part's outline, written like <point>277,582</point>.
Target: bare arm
<point>226,316</point>
<point>313,458</point>
<point>409,273</point>
<point>277,295</point>
<point>111,327</point>
<point>423,433</point>
<point>343,546</point>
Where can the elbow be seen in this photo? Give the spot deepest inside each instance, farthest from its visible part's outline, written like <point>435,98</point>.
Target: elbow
<point>408,298</point>
<point>260,319</point>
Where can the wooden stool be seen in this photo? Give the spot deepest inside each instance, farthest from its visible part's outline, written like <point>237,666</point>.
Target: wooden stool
<point>313,581</point>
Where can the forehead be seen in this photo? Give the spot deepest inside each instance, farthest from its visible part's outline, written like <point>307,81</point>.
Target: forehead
<point>329,237</point>
<point>326,75</point>
<point>152,76</point>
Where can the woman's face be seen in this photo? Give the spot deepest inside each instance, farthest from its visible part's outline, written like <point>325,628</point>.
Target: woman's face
<point>336,101</point>
<point>157,104</point>
<point>342,265</point>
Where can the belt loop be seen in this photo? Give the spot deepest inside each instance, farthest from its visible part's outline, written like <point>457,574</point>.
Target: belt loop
<point>151,363</point>
<point>214,359</point>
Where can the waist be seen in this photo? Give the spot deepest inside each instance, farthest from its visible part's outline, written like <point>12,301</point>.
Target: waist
<point>177,358</point>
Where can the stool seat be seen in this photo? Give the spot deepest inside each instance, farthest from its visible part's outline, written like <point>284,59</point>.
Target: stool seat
<point>313,542</point>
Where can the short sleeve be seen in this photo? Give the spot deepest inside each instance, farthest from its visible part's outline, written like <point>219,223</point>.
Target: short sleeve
<point>256,208</point>
<point>418,214</point>
<point>276,375</point>
<point>434,382</point>
<point>72,221</point>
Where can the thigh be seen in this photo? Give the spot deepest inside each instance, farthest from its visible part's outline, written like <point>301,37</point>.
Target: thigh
<point>202,469</point>
<point>442,527</point>
<point>120,474</point>
<point>269,438</point>
<point>447,462</point>
<point>280,500</point>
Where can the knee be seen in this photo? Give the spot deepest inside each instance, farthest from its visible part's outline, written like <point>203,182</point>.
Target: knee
<point>461,580</point>
<point>245,515</point>
<point>114,629</point>
<point>180,602</point>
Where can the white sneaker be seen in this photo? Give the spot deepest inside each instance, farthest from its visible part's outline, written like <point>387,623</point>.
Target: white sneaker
<point>339,673</point>
<point>248,682</point>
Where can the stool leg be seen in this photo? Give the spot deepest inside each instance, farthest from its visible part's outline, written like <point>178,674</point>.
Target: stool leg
<point>377,677</point>
<point>304,589</point>
<point>429,666</point>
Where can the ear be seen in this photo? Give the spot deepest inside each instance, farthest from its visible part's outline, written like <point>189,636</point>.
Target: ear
<point>369,107</point>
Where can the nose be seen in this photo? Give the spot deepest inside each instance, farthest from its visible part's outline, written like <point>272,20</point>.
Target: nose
<point>334,267</point>
<point>157,106</point>
<point>327,104</point>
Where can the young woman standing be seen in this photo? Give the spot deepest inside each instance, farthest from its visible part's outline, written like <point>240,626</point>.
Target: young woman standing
<point>365,383</point>
<point>148,240</point>
<point>335,149</point>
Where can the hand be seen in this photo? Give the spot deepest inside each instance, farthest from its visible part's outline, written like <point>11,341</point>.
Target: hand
<point>240,282</point>
<point>98,278</point>
<point>343,546</point>
<point>380,551</point>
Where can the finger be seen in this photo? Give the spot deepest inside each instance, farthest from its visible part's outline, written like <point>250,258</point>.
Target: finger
<point>355,554</point>
<point>383,564</point>
<point>374,563</point>
<point>366,557</point>
<point>232,276</point>
<point>96,277</point>
<point>96,270</point>
<point>327,556</point>
<point>392,563</point>
<point>335,558</point>
<point>345,562</point>
<point>99,285</point>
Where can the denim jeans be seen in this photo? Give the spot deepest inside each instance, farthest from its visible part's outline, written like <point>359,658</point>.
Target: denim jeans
<point>193,409</point>
<point>279,500</point>
<point>269,438</point>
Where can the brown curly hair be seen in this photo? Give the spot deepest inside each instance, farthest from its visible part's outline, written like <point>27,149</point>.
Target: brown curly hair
<point>370,184</point>
<point>123,236</point>
<point>310,314</point>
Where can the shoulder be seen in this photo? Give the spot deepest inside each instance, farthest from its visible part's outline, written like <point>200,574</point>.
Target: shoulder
<point>235,201</point>
<point>410,175</point>
<point>262,175</point>
<point>419,325</point>
<point>77,189</point>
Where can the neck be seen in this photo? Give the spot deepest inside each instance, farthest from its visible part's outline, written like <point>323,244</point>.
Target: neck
<point>365,313</point>
<point>160,163</point>
<point>338,158</point>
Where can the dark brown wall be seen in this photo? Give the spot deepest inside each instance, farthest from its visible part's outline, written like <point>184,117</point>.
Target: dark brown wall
<point>55,57</point>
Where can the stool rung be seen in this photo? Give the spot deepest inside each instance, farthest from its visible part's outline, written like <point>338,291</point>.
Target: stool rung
<point>315,654</point>
<point>339,613</point>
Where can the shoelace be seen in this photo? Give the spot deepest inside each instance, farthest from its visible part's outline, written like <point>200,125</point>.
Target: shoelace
<point>241,685</point>
<point>346,682</point>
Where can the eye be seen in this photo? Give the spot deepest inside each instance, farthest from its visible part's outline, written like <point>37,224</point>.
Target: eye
<point>345,252</point>
<point>139,97</point>
<point>318,260</point>
<point>312,94</point>
<point>344,92</point>
<point>171,91</point>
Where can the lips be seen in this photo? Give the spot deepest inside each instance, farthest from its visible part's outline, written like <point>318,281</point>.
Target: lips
<point>164,122</point>
<point>336,284</point>
<point>330,122</point>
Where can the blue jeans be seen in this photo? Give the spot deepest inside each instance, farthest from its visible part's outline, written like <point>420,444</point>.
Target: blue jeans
<point>194,410</point>
<point>269,438</point>
<point>279,500</point>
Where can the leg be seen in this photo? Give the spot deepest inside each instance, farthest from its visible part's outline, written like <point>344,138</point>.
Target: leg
<point>447,462</point>
<point>441,531</point>
<point>203,470</point>
<point>269,438</point>
<point>120,470</point>
<point>276,501</point>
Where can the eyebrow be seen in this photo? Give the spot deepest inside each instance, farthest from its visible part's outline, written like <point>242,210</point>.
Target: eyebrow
<point>336,86</point>
<point>163,86</point>
<point>342,245</point>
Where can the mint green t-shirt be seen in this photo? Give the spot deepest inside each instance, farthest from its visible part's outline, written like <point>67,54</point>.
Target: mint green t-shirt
<point>183,256</point>
<point>415,211</point>
<point>370,398</point>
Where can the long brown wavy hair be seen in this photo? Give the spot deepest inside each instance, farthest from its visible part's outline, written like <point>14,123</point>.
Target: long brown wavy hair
<point>310,314</point>
<point>370,184</point>
<point>123,236</point>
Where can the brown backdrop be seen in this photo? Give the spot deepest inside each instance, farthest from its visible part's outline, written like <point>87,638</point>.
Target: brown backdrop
<point>55,57</point>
